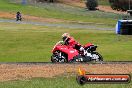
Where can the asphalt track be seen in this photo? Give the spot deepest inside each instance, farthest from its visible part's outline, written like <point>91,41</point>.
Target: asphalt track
<point>97,26</point>
<point>42,63</point>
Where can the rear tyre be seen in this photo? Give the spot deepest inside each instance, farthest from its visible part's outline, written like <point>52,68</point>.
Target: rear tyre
<point>97,57</point>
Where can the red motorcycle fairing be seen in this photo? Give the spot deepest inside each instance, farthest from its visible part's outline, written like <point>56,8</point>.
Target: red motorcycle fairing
<point>67,50</point>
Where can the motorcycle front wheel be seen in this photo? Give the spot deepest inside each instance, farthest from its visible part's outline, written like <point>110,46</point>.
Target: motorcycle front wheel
<point>57,59</point>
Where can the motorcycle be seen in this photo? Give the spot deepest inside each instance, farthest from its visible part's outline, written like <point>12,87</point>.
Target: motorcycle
<point>62,53</point>
<point>18,16</point>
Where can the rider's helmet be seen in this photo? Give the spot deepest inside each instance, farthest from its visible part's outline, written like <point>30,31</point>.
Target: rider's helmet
<point>18,13</point>
<point>65,36</point>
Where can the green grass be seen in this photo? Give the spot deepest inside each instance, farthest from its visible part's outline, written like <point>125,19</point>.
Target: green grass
<point>61,11</point>
<point>30,43</point>
<point>59,82</point>
<point>104,2</point>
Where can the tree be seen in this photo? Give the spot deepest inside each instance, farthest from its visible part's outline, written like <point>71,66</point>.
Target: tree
<point>121,4</point>
<point>51,0</point>
<point>92,4</point>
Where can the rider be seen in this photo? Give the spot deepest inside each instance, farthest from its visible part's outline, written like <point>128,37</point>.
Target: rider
<point>70,41</point>
<point>18,16</point>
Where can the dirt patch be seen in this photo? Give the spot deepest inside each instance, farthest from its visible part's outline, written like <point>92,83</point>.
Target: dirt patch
<point>27,17</point>
<point>26,71</point>
<point>7,15</point>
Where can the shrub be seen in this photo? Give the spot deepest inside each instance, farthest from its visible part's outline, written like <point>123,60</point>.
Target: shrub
<point>92,4</point>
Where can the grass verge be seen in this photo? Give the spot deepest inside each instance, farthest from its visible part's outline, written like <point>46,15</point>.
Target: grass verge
<point>31,43</point>
<point>59,82</point>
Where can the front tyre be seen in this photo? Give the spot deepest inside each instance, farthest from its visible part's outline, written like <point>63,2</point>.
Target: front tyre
<point>54,59</point>
<point>58,59</point>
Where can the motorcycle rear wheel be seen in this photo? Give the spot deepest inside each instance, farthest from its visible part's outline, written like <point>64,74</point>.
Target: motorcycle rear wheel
<point>100,58</point>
